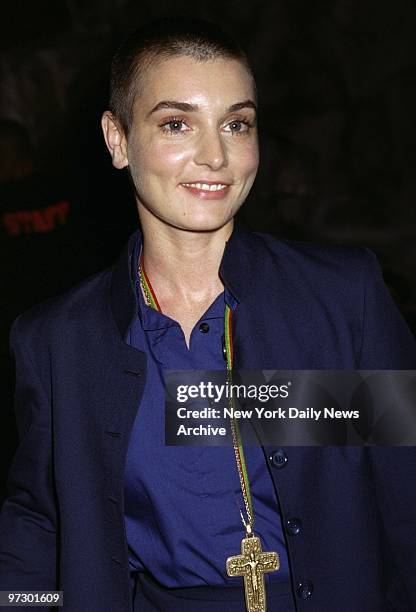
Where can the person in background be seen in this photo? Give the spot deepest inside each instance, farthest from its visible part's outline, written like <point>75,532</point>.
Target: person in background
<point>43,247</point>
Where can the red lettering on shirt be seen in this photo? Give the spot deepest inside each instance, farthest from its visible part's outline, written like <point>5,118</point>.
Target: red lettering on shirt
<point>38,221</point>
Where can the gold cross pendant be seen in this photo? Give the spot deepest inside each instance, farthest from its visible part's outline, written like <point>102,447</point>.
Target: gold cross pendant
<point>252,564</point>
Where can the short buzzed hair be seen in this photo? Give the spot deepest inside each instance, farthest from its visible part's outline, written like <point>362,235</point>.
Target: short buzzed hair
<point>162,39</point>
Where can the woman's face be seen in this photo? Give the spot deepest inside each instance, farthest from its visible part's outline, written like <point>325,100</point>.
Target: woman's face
<point>192,149</point>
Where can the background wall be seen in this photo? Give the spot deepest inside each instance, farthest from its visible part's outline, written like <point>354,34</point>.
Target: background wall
<point>337,86</point>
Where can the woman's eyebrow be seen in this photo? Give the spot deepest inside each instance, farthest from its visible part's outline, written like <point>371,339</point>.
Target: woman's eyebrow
<point>241,105</point>
<point>185,107</point>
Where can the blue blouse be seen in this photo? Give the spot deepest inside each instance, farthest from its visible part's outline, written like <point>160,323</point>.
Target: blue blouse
<point>182,503</point>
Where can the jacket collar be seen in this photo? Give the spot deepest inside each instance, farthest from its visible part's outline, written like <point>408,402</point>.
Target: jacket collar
<point>245,254</point>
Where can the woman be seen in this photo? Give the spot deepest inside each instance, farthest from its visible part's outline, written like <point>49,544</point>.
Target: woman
<point>99,507</point>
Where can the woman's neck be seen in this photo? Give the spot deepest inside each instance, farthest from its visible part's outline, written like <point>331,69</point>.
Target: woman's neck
<point>182,266</point>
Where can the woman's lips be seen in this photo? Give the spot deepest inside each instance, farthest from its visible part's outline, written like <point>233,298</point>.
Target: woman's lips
<point>207,191</point>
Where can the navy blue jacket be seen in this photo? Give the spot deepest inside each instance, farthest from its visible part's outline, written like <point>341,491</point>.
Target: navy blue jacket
<point>78,386</point>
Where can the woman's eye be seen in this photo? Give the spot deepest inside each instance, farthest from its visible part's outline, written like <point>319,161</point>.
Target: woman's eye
<point>237,127</point>
<point>174,126</point>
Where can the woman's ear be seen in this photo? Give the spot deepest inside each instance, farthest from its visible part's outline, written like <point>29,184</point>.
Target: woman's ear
<point>115,140</point>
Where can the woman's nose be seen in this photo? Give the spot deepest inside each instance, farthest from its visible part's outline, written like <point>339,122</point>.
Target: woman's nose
<point>211,150</point>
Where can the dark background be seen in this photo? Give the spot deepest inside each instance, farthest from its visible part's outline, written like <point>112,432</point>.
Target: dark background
<point>337,89</point>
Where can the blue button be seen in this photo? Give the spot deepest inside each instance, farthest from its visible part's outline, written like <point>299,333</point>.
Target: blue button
<point>278,459</point>
<point>293,526</point>
<point>304,589</point>
<point>204,328</point>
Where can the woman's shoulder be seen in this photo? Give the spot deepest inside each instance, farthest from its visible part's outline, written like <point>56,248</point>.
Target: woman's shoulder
<point>83,302</point>
<point>313,250</point>
<point>324,263</point>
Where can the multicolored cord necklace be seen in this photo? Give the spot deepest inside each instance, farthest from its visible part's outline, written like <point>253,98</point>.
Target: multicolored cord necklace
<point>252,563</point>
